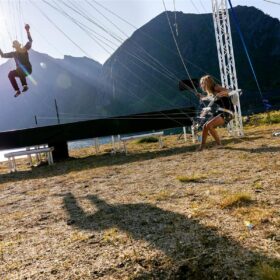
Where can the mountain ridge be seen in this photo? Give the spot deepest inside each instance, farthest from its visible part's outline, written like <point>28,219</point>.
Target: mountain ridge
<point>142,74</point>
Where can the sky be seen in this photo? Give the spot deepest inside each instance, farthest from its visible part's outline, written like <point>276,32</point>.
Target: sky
<point>92,28</point>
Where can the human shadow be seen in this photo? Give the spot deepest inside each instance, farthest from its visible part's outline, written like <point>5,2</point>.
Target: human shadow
<point>196,251</point>
<point>258,150</point>
<point>97,161</point>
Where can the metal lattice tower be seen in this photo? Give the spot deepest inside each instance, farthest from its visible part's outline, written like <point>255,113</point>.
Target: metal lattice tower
<point>226,60</point>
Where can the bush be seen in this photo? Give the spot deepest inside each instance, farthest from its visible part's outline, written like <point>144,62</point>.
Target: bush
<point>147,140</point>
<point>263,118</point>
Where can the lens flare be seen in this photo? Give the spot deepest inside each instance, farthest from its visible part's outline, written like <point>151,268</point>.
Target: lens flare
<point>34,82</point>
<point>43,65</point>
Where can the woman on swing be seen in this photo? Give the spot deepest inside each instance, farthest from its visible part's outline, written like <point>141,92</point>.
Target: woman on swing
<point>23,65</point>
<point>224,113</point>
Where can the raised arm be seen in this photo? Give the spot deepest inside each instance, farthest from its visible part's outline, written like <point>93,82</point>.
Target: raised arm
<point>28,45</point>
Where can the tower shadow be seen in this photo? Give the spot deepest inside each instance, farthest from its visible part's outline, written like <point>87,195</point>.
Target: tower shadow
<point>196,251</point>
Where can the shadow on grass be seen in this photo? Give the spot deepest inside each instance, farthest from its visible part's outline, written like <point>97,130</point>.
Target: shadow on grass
<point>96,161</point>
<point>195,251</point>
<point>259,150</point>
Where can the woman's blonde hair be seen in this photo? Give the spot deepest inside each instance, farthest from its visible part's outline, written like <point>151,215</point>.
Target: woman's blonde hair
<point>207,84</point>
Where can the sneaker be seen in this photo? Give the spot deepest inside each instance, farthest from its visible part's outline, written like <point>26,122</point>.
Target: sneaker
<point>17,93</point>
<point>25,88</point>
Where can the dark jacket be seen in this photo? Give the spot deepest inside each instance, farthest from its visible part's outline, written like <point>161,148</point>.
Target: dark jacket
<point>225,103</point>
<point>21,57</point>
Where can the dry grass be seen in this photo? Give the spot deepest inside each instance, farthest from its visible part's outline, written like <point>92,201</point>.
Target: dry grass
<point>194,178</point>
<point>115,237</point>
<point>131,217</point>
<point>78,237</point>
<point>268,272</point>
<point>162,195</point>
<point>5,248</point>
<point>256,215</point>
<point>236,200</point>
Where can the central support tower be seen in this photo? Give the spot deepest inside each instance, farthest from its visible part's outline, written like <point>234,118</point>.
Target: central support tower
<point>227,61</point>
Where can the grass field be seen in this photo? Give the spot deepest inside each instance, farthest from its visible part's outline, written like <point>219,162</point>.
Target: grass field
<point>169,213</point>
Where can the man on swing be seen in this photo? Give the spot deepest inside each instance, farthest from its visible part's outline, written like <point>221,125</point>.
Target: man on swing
<point>23,65</point>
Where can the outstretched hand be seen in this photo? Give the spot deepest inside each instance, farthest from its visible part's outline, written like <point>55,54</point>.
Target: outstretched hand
<point>27,27</point>
<point>222,94</point>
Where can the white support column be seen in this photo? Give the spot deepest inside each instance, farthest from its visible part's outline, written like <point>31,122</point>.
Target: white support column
<point>113,143</point>
<point>14,164</point>
<point>51,157</point>
<point>193,135</point>
<point>185,133</point>
<point>226,59</point>
<point>29,157</point>
<point>10,164</point>
<point>124,147</point>
<point>119,142</point>
<point>38,156</point>
<point>160,142</point>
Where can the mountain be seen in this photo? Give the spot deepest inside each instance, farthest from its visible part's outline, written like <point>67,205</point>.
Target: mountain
<point>72,82</point>
<point>196,40</point>
<point>143,74</point>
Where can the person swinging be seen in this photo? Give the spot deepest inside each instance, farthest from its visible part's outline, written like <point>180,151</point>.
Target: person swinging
<point>23,65</point>
<point>224,112</point>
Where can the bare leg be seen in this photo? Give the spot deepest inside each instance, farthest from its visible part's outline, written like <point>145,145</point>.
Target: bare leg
<point>210,127</point>
<point>215,135</point>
